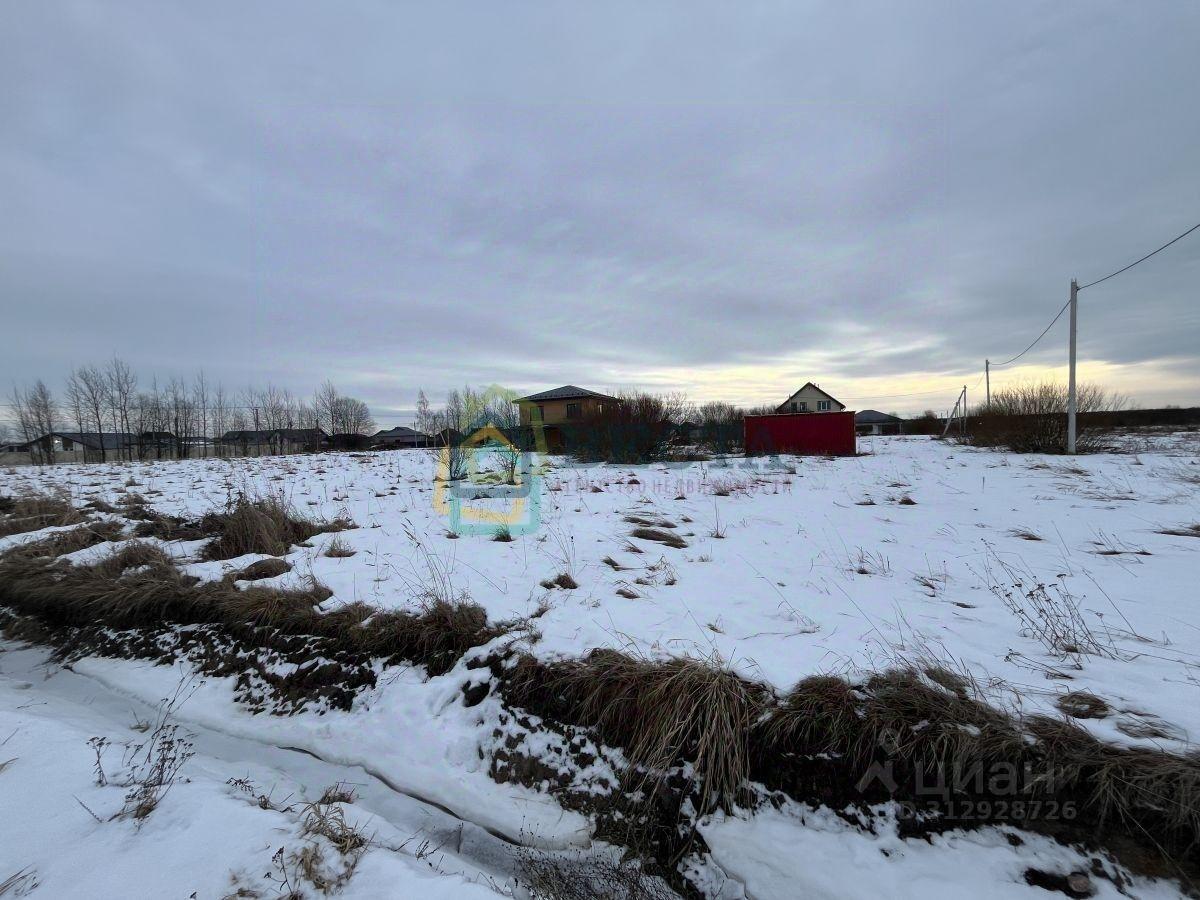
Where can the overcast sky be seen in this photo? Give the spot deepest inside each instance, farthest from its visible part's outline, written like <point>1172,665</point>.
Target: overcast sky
<point>728,200</point>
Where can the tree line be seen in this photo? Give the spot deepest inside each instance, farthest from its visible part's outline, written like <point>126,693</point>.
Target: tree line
<point>177,417</point>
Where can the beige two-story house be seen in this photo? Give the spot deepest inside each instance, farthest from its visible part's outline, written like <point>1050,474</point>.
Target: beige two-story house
<point>560,409</point>
<point>564,405</point>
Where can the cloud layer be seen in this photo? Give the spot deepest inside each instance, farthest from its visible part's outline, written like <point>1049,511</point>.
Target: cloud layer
<point>726,200</point>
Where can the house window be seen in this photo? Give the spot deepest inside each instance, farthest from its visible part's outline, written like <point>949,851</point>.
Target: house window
<point>67,445</point>
<point>541,413</point>
<point>574,411</point>
<point>793,407</point>
<point>824,406</point>
<point>803,406</point>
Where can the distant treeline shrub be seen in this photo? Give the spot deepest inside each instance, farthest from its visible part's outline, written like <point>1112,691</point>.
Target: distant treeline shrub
<point>639,429</point>
<point>1032,418</point>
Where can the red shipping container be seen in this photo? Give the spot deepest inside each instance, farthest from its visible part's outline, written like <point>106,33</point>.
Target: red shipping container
<point>826,433</point>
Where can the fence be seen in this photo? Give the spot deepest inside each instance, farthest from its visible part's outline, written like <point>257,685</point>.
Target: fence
<point>830,434</point>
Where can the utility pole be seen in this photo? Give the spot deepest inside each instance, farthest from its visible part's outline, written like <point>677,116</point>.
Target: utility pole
<point>1071,376</point>
<point>987,377</point>
<point>963,424</point>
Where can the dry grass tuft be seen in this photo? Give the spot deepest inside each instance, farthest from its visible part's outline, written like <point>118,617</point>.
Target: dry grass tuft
<point>1192,530</point>
<point>561,580</point>
<point>35,511</point>
<point>662,713</point>
<point>1083,705</point>
<point>1025,534</point>
<point>660,536</point>
<point>327,819</point>
<point>264,568</point>
<point>339,549</point>
<point>64,542</point>
<point>264,525</point>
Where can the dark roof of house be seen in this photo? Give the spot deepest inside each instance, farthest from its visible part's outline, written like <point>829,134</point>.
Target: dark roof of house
<point>112,440</point>
<point>873,417</point>
<point>400,431</point>
<point>566,392</point>
<point>290,434</point>
<point>809,384</point>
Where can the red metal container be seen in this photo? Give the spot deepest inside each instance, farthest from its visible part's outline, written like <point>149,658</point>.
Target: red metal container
<point>826,433</point>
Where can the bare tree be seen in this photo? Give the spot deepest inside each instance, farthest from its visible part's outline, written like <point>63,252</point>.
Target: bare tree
<point>121,383</point>
<point>720,426</point>
<point>200,402</point>
<point>325,402</point>
<point>36,412</point>
<point>88,387</point>
<point>425,416</point>
<point>220,415</point>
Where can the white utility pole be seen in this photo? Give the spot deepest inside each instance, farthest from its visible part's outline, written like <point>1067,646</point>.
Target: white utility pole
<point>1071,376</point>
<point>987,377</point>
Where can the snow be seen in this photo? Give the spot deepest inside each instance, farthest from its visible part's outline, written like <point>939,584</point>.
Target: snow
<point>206,836</point>
<point>788,571</point>
<point>813,853</point>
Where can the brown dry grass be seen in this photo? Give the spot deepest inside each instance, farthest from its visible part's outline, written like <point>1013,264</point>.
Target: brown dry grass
<point>659,535</point>
<point>1192,530</point>
<point>666,712</point>
<point>139,585</point>
<point>33,511</point>
<point>261,525</point>
<point>661,712</point>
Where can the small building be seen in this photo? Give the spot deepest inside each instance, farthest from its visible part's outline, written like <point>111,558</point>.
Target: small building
<point>400,437</point>
<point>872,421</point>
<point>810,399</point>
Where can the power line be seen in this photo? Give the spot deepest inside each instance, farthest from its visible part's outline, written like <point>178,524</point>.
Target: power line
<point>1143,259</point>
<point>1035,340</point>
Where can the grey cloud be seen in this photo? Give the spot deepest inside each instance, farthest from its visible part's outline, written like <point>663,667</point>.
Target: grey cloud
<point>530,195</point>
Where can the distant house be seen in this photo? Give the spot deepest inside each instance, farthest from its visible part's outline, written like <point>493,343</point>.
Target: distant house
<point>400,437</point>
<point>346,440</point>
<point>447,437</point>
<point>810,399</point>
<point>279,440</point>
<point>561,409</point>
<point>91,446</point>
<point>872,421</point>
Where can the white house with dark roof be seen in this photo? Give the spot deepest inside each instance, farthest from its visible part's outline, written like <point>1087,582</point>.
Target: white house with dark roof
<point>810,399</point>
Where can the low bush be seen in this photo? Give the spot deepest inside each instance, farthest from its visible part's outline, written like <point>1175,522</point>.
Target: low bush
<point>1032,418</point>
<point>639,428</point>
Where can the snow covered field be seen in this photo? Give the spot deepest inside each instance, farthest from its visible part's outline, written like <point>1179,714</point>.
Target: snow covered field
<point>1039,576</point>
